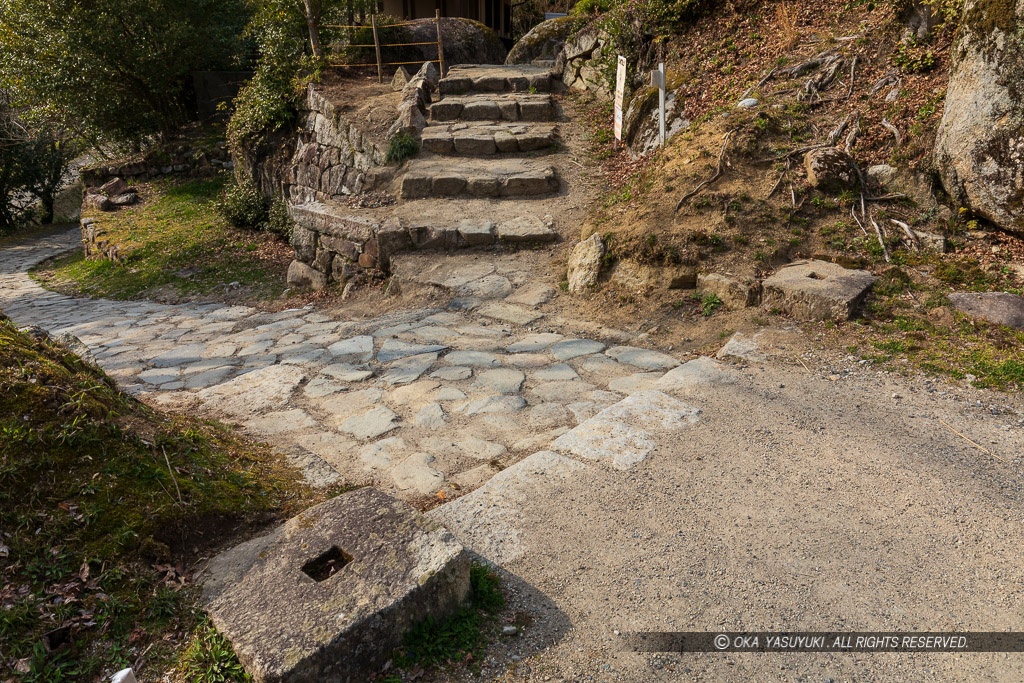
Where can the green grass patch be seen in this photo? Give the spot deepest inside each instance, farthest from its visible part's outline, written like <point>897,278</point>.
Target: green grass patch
<point>174,244</point>
<point>104,505</point>
<point>463,637</point>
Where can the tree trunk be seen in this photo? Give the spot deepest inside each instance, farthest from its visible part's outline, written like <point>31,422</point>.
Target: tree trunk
<point>313,23</point>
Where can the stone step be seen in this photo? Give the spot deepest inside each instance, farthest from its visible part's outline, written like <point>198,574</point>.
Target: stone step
<point>440,177</point>
<point>487,138</point>
<point>495,78</point>
<point>497,107</point>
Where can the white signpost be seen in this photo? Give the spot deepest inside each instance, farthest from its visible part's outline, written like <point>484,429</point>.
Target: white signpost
<point>658,81</point>
<point>620,87</point>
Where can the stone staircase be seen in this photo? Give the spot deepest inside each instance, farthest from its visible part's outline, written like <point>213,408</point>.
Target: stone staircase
<point>485,175</point>
<point>487,111</point>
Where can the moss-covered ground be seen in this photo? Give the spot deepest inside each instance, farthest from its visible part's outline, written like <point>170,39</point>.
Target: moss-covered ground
<point>173,246</point>
<point>105,505</point>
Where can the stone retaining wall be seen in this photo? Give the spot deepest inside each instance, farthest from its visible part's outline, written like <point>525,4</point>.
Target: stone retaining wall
<point>184,161</point>
<point>333,157</point>
<point>94,244</point>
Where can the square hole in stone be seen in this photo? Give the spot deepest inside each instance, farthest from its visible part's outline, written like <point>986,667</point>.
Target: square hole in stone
<point>326,565</point>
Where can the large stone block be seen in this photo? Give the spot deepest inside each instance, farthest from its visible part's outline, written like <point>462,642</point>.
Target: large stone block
<point>330,594</point>
<point>1001,308</point>
<point>303,276</point>
<point>817,290</point>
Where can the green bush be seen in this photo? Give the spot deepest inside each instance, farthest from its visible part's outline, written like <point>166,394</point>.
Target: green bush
<point>243,206</point>
<point>401,147</point>
<point>278,221</point>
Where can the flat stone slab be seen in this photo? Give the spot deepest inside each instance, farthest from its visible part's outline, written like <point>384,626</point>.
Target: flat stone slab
<point>642,358</point>
<point>497,107</point>
<point>253,392</point>
<point>330,594</point>
<point>495,78</point>
<point>817,290</point>
<point>1001,308</point>
<point>623,434</point>
<point>487,138</point>
<point>443,177</point>
<point>695,376</point>
<point>571,348</point>
<point>525,229</point>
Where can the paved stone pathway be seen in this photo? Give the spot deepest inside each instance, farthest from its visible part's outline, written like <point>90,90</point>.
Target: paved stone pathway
<point>413,401</point>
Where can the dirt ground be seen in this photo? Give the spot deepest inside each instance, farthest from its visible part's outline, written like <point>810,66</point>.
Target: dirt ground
<point>812,494</point>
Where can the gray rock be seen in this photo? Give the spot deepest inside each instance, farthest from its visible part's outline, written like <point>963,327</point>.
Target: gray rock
<point>1001,308</point>
<point>359,349</point>
<point>409,369</point>
<point>475,232</point>
<point>416,473</point>
<point>430,416</point>
<point>473,358</point>
<point>624,434</point>
<point>499,380</point>
<point>400,80</point>
<point>748,103</point>
<point>496,404</point>
<point>534,342</point>
<point>695,376</point>
<point>979,146</point>
<point>571,348</point>
<point>830,169</point>
<point>294,603</point>
<point>500,310</point>
<point>302,276</point>
<point>452,374</point>
<point>534,295</point>
<point>393,349</point>
<point>345,372</point>
<point>741,347</point>
<point>525,229</point>
<point>817,290</point>
<point>370,425</point>
<point>642,358</point>
<point>585,264</point>
<point>881,175</point>
<point>561,372</point>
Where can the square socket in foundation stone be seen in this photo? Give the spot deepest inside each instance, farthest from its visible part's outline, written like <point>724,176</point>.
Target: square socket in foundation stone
<point>328,595</point>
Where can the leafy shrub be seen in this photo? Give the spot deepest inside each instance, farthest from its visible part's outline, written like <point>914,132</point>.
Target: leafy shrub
<point>278,221</point>
<point>401,147</point>
<point>914,59</point>
<point>242,205</point>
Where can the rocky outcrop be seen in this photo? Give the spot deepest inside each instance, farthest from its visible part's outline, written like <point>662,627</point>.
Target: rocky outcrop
<point>465,41</point>
<point>1001,308</point>
<point>980,143</point>
<point>543,43</point>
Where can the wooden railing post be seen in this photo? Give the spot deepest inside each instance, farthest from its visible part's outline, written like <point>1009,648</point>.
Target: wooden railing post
<point>440,44</point>
<point>376,45</point>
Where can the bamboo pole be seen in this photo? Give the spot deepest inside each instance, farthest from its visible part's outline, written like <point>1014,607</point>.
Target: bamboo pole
<point>376,45</point>
<point>440,43</point>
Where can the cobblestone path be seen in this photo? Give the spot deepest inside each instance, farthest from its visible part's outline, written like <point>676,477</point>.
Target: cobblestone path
<point>413,401</point>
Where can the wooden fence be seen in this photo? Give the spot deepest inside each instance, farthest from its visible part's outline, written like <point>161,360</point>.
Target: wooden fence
<point>378,46</point>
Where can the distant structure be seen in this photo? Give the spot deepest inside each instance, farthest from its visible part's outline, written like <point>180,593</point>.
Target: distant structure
<point>496,14</point>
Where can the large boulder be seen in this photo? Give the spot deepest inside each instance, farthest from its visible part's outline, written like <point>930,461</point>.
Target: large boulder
<point>979,147</point>
<point>543,42</point>
<point>465,41</point>
<point>830,169</point>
